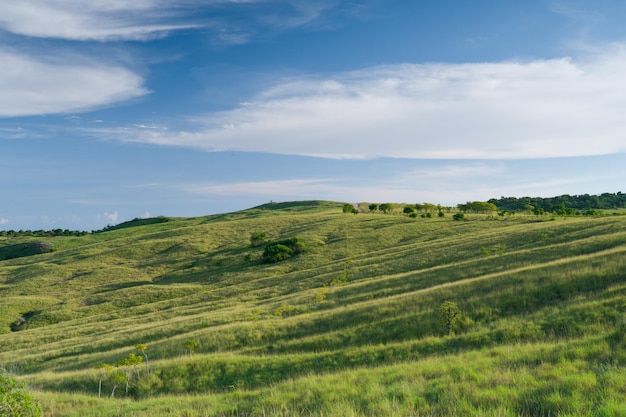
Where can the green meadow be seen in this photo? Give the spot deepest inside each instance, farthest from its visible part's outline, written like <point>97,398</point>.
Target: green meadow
<point>189,316</point>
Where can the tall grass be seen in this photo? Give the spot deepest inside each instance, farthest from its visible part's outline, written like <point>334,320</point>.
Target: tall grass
<point>350,327</point>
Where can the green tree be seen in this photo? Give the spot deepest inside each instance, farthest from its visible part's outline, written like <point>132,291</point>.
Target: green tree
<point>408,210</point>
<point>478,207</point>
<point>386,207</point>
<point>103,370</point>
<point>559,209</point>
<point>373,207</point>
<point>129,366</point>
<point>14,400</point>
<point>450,314</point>
<point>116,379</point>
<point>141,348</point>
<point>190,346</point>
<point>529,208</point>
<point>428,207</point>
<point>349,208</point>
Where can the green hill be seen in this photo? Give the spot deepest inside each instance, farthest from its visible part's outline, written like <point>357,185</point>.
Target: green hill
<point>350,324</point>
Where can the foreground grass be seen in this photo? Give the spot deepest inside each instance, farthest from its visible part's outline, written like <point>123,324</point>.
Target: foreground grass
<point>573,380</point>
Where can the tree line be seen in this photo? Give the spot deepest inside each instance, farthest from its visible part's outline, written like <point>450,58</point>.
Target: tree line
<point>41,233</point>
<point>581,202</point>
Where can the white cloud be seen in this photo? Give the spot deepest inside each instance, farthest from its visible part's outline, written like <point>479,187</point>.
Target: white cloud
<point>453,172</point>
<point>4,221</point>
<point>112,218</point>
<point>42,85</point>
<point>92,20</point>
<point>106,20</point>
<point>536,109</point>
<point>150,126</point>
<point>301,188</point>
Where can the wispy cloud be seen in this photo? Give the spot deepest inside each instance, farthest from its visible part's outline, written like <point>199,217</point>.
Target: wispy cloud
<point>233,21</point>
<point>4,221</point>
<point>93,20</point>
<point>587,17</point>
<point>454,171</point>
<point>535,109</point>
<point>112,218</point>
<point>36,85</point>
<point>301,188</point>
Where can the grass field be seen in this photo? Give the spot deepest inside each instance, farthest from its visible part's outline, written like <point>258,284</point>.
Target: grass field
<point>349,327</point>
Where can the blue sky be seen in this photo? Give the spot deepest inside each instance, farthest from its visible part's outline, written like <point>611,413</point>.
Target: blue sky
<point>111,110</point>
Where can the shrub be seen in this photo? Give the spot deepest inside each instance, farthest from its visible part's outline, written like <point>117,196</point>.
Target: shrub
<point>14,401</point>
<point>283,249</point>
<point>349,208</point>
<point>276,253</point>
<point>450,314</point>
<point>458,216</point>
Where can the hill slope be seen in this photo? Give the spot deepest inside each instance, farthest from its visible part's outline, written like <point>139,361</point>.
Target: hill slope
<point>351,326</point>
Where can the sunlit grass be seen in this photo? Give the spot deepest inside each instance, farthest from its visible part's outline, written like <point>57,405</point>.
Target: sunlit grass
<point>350,327</point>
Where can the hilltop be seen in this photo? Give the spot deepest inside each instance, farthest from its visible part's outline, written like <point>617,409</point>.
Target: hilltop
<point>353,322</point>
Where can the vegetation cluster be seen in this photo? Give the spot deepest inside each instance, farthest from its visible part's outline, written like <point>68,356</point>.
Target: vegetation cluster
<point>604,201</point>
<point>19,250</point>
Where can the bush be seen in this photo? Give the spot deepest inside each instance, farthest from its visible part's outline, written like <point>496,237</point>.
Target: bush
<point>349,208</point>
<point>276,253</point>
<point>14,401</point>
<point>458,216</point>
<point>283,249</point>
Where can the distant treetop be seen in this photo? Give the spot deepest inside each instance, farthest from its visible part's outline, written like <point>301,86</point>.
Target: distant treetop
<point>578,202</point>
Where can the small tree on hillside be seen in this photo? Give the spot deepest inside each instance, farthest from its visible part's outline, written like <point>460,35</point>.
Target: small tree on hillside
<point>103,370</point>
<point>128,366</point>
<point>141,347</point>
<point>386,207</point>
<point>116,379</point>
<point>450,314</point>
<point>349,208</point>
<point>190,346</point>
<point>372,207</point>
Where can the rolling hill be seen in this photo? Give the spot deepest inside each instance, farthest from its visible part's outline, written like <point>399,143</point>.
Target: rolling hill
<point>350,326</point>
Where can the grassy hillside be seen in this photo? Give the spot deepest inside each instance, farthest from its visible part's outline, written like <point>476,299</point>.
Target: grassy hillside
<point>349,327</point>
